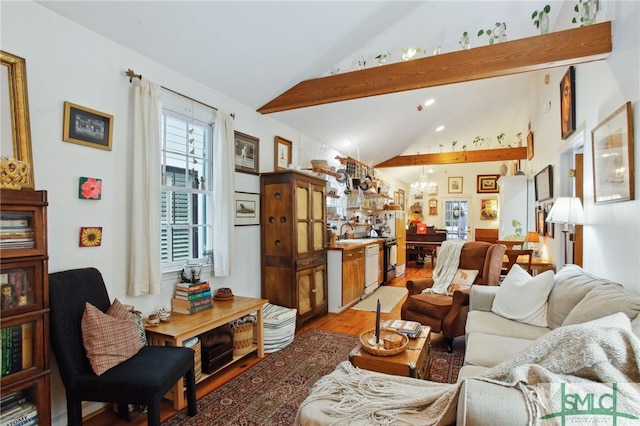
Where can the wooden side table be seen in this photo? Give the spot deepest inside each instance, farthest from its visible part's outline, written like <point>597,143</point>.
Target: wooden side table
<point>412,362</point>
<point>183,327</point>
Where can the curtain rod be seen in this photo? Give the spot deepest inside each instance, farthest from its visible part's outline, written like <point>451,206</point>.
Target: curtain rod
<point>131,74</point>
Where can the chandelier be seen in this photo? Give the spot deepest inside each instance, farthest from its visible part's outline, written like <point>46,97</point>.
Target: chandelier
<point>423,185</point>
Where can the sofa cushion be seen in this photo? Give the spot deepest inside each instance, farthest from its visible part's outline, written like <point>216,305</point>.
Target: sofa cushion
<point>602,301</point>
<point>483,403</point>
<point>437,305</point>
<point>489,350</point>
<point>490,323</point>
<point>109,338</point>
<point>462,280</point>
<point>571,285</point>
<point>523,298</point>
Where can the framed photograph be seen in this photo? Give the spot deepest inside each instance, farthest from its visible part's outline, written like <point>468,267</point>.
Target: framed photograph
<point>487,184</point>
<point>401,198</point>
<point>247,208</point>
<point>549,231</point>
<point>246,149</point>
<point>489,209</point>
<point>530,145</point>
<point>283,153</point>
<point>87,127</point>
<point>455,185</point>
<point>540,221</point>
<point>568,103</point>
<point>543,183</point>
<point>612,144</point>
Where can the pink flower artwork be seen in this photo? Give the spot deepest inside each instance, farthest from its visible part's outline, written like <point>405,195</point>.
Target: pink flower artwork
<point>90,188</point>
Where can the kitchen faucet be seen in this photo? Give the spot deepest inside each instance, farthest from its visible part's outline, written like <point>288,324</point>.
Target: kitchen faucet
<point>345,235</point>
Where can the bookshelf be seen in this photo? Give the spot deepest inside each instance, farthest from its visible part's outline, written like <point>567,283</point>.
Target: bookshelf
<point>24,309</point>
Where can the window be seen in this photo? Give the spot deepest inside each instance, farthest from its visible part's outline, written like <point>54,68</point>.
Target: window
<point>186,199</point>
<point>456,214</point>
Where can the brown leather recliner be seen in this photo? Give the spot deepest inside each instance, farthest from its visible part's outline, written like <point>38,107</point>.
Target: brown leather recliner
<point>448,314</point>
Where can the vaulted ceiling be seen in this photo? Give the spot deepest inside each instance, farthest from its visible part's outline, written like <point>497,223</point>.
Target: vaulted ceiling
<point>253,51</point>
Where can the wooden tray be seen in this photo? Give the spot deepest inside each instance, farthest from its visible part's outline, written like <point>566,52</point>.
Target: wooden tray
<point>379,349</point>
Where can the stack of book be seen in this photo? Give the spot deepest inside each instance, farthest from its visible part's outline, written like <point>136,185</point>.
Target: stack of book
<point>16,233</point>
<point>192,297</point>
<point>17,348</point>
<point>16,410</point>
<point>411,329</point>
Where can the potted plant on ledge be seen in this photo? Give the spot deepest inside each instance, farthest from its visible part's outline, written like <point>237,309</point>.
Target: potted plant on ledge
<point>541,19</point>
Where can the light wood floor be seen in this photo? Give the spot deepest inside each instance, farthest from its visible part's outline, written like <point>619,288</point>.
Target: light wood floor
<point>349,322</point>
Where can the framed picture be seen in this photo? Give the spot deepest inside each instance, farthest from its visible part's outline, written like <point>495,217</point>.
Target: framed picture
<point>246,152</point>
<point>283,153</point>
<point>487,184</point>
<point>90,236</point>
<point>568,103</point>
<point>543,183</point>
<point>489,209</point>
<point>612,144</point>
<point>455,185</point>
<point>87,127</point>
<point>530,145</point>
<point>433,207</point>
<point>540,221</point>
<point>247,208</point>
<point>89,188</point>
<point>549,231</point>
<point>401,198</point>
<point>396,198</point>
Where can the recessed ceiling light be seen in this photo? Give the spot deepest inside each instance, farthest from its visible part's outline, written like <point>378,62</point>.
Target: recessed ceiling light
<point>429,102</point>
<point>439,128</point>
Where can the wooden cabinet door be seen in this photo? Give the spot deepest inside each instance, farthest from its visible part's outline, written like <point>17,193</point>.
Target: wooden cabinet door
<point>311,285</point>
<point>318,217</point>
<point>320,288</point>
<point>352,275</point>
<point>310,217</point>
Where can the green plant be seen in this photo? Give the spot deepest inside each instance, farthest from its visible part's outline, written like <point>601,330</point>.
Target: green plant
<point>500,138</point>
<point>538,14</point>
<point>495,32</point>
<point>583,8</point>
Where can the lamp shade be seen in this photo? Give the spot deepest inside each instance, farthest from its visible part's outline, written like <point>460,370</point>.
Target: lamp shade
<point>532,237</point>
<point>566,210</point>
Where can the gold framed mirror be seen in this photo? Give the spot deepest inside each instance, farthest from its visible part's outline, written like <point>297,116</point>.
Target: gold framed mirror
<point>15,108</point>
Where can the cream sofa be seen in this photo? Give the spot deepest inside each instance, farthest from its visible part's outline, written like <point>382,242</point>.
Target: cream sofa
<point>575,297</point>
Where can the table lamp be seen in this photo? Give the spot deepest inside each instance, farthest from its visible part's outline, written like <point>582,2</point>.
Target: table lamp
<point>532,239</point>
<point>567,211</point>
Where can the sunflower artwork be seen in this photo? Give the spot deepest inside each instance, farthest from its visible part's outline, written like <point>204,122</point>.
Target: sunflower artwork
<point>90,188</point>
<point>90,236</point>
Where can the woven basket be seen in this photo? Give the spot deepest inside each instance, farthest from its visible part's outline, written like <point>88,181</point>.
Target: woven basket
<point>242,339</point>
<point>378,349</point>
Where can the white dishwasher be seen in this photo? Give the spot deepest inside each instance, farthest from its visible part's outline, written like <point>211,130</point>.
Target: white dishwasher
<point>370,268</point>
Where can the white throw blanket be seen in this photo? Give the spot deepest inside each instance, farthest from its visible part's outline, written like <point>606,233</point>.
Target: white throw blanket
<point>601,351</point>
<point>446,267</point>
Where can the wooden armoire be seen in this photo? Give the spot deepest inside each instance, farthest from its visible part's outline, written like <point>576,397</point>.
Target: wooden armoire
<point>293,239</point>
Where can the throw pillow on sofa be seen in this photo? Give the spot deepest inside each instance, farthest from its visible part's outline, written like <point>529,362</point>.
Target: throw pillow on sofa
<point>463,279</point>
<point>602,301</point>
<point>523,298</point>
<point>109,338</point>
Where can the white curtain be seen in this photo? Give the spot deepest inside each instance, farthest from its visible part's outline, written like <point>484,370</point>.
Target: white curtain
<point>144,264</point>
<point>223,187</point>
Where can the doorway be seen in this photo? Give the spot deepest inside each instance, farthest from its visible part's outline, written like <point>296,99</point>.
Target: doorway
<point>456,219</point>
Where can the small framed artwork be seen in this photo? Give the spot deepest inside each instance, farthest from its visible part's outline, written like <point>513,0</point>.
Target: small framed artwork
<point>432,191</point>
<point>433,207</point>
<point>487,184</point>
<point>90,188</point>
<point>246,153</point>
<point>549,231</point>
<point>530,145</point>
<point>90,236</point>
<point>401,198</point>
<point>247,209</point>
<point>612,144</point>
<point>396,198</point>
<point>489,209</point>
<point>283,153</point>
<point>540,221</point>
<point>543,183</point>
<point>87,127</point>
<point>455,185</point>
<point>568,103</point>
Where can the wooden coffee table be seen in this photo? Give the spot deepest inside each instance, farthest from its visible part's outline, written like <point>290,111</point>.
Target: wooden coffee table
<point>412,362</point>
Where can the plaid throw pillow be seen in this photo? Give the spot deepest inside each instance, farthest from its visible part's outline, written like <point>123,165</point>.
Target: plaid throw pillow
<point>110,338</point>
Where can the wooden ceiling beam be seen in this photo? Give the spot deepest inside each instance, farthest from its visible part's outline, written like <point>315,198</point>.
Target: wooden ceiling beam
<point>476,156</point>
<point>550,50</point>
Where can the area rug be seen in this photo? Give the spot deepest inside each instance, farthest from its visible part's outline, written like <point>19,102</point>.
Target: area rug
<point>270,392</point>
<point>389,298</point>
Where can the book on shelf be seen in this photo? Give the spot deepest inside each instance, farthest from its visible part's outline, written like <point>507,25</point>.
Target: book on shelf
<point>411,329</point>
<point>17,348</point>
<point>192,310</point>
<point>12,400</point>
<point>192,286</point>
<point>192,296</point>
<point>24,414</point>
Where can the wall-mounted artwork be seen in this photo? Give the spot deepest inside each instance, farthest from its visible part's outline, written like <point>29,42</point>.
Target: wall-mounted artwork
<point>246,150</point>
<point>90,188</point>
<point>487,184</point>
<point>282,153</point>
<point>455,185</point>
<point>87,126</point>
<point>568,103</point>
<point>90,236</point>
<point>549,232</point>
<point>543,183</point>
<point>489,209</point>
<point>247,211</point>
